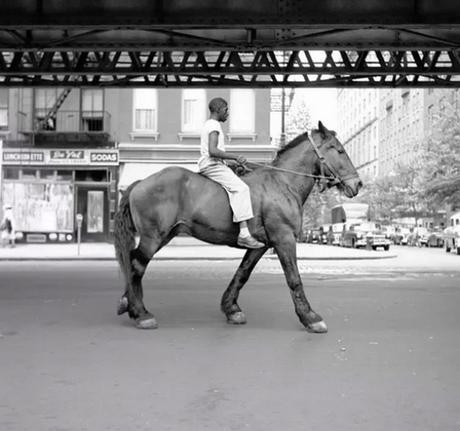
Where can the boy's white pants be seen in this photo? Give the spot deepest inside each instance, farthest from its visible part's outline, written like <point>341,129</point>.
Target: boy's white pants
<point>237,190</point>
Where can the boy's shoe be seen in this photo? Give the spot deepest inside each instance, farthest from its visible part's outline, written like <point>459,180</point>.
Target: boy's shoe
<point>249,242</point>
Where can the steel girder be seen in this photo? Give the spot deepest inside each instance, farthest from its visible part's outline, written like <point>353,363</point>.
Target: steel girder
<point>262,43</point>
<point>231,68</point>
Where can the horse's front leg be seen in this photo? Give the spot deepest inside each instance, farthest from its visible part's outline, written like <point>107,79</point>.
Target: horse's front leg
<point>229,303</point>
<point>287,253</point>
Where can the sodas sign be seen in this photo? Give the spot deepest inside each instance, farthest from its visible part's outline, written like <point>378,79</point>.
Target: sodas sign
<point>104,157</point>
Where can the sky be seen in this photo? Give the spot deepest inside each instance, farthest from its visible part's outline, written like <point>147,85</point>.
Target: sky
<point>322,103</point>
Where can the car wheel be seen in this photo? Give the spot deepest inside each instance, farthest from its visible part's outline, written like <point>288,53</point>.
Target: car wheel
<point>447,249</point>
<point>386,247</point>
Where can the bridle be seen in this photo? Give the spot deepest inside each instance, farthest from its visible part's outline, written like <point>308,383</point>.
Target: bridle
<point>334,178</point>
<point>331,180</point>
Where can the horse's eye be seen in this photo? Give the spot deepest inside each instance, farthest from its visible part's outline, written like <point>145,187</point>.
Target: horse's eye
<point>341,150</point>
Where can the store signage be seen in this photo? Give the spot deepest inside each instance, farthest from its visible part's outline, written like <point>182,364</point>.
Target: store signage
<point>67,154</point>
<point>67,157</point>
<point>104,157</point>
<point>23,156</point>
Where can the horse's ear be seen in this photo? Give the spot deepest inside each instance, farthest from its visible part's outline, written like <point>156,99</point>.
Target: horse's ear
<point>322,128</point>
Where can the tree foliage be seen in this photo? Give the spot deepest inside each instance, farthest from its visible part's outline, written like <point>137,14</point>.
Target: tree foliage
<point>442,156</point>
<point>430,181</point>
<point>298,119</point>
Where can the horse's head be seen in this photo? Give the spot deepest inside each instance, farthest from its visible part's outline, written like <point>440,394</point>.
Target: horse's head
<point>334,161</point>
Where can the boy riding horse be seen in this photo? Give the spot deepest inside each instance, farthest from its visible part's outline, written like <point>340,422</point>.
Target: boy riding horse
<point>212,165</point>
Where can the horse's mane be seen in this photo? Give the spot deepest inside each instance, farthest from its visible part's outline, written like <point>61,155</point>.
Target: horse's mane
<point>296,141</point>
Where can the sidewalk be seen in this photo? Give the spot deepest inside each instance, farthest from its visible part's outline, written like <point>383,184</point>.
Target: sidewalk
<point>180,248</point>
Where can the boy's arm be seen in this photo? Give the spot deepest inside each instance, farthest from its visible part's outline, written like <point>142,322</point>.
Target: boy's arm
<point>215,152</point>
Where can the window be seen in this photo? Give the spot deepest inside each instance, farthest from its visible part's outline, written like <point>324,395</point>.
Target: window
<point>145,110</point>
<point>242,111</point>
<point>45,101</point>
<point>92,106</point>
<point>3,107</point>
<point>193,109</point>
<point>42,206</point>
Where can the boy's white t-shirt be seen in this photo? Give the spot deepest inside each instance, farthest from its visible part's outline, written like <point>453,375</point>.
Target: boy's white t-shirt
<point>208,127</point>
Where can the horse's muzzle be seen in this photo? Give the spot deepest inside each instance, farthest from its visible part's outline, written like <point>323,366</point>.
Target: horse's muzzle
<point>352,186</point>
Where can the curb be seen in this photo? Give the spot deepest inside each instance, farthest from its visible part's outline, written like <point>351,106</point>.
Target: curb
<point>185,258</point>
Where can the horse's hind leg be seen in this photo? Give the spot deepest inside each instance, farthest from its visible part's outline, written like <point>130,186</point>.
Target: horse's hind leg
<point>229,304</point>
<point>132,300</point>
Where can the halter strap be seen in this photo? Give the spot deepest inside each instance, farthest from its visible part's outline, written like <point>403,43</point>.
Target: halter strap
<point>334,177</point>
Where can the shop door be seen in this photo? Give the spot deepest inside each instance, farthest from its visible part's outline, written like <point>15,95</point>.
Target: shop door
<point>92,205</point>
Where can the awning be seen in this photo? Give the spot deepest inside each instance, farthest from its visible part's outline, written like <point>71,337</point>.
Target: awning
<point>131,172</point>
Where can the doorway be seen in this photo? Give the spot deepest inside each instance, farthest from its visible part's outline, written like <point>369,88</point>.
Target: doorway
<point>92,205</point>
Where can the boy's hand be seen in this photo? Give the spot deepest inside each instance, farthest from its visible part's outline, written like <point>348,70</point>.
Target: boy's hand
<point>241,160</point>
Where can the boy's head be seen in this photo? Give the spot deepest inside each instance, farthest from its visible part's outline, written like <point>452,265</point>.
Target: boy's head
<point>218,108</point>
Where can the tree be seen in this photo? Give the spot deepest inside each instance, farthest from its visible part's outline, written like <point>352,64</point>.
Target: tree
<point>381,195</point>
<point>298,119</point>
<point>441,171</point>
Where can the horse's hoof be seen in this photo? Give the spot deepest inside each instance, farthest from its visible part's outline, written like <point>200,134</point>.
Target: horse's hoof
<point>122,305</point>
<point>317,327</point>
<point>149,323</point>
<point>237,318</point>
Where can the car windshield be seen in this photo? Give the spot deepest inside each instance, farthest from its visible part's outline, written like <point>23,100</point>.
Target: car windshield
<point>366,227</point>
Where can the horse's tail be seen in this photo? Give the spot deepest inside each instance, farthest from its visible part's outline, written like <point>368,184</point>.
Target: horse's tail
<point>124,233</point>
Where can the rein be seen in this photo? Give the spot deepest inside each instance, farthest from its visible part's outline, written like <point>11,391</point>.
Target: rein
<point>289,171</point>
<point>333,179</point>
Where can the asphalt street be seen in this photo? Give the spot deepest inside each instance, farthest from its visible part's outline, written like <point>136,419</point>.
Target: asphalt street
<point>389,361</point>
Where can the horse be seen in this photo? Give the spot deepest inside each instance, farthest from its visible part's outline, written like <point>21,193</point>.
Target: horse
<point>176,200</point>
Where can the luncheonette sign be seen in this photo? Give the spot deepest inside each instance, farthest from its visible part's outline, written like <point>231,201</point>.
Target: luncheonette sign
<point>60,157</point>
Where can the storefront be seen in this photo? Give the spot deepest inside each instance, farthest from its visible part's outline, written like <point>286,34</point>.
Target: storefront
<point>47,188</point>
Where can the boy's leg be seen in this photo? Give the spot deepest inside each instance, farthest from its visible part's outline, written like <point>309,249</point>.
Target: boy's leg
<point>240,201</point>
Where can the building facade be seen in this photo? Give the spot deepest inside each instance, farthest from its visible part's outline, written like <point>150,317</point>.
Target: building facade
<point>385,127</point>
<point>70,151</point>
<point>358,111</point>
<point>402,126</point>
<point>157,128</point>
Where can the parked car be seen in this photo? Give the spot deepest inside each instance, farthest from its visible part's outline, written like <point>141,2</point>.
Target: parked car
<point>366,234</point>
<point>388,231</point>
<point>418,237</point>
<point>314,236</point>
<point>434,238</point>
<point>400,236</point>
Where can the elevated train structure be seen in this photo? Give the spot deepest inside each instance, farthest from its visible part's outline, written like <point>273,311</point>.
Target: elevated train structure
<point>262,43</point>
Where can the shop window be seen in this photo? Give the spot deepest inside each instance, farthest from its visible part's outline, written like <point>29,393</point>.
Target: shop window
<point>29,174</point>
<point>97,175</point>
<point>46,174</point>
<point>92,110</point>
<point>145,110</point>
<point>3,108</point>
<point>46,207</point>
<point>193,109</point>
<point>63,175</point>
<point>95,207</point>
<point>242,111</point>
<point>11,173</point>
